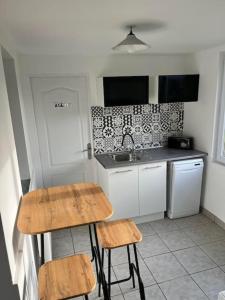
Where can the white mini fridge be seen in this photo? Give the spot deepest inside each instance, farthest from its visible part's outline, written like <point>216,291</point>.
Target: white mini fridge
<point>184,188</point>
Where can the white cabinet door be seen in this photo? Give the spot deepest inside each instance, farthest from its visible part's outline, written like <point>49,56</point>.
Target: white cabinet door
<point>152,188</point>
<point>123,192</point>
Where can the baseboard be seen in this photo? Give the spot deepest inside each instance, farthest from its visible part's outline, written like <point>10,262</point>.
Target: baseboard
<point>149,218</point>
<point>212,217</point>
<point>159,216</point>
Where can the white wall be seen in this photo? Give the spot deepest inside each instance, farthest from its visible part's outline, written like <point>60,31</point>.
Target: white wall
<point>10,188</point>
<point>18,249</point>
<point>93,67</point>
<point>15,110</point>
<point>200,120</point>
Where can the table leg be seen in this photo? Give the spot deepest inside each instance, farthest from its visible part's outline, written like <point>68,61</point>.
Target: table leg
<point>42,249</point>
<point>102,275</point>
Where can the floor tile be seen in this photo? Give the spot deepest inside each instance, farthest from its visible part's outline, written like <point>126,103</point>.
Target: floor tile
<point>205,233</point>
<point>81,247</point>
<point>211,282</point>
<point>164,225</point>
<point>122,271</point>
<point>182,288</point>
<point>60,233</point>
<point>194,260</point>
<point>115,289</point>
<point>80,229</point>
<point>164,267</point>
<point>81,239</point>
<point>176,240</point>
<point>119,256</point>
<point>146,229</point>
<point>91,297</point>
<point>159,265</point>
<point>151,293</point>
<point>62,247</point>
<point>152,245</point>
<point>196,220</point>
<point>118,297</point>
<point>87,252</point>
<point>216,251</point>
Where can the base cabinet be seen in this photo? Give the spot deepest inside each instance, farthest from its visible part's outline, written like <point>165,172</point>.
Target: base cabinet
<point>152,188</point>
<point>123,192</point>
<point>135,190</point>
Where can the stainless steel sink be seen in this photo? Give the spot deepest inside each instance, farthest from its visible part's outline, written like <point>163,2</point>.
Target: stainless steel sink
<point>120,157</point>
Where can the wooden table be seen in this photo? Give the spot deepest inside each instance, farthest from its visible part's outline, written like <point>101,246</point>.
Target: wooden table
<point>54,208</point>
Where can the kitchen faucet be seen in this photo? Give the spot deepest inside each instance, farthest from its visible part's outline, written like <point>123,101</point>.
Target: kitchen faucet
<point>132,151</point>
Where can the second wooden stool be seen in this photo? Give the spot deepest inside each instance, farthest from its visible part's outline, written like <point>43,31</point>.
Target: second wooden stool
<point>116,234</point>
<point>68,277</point>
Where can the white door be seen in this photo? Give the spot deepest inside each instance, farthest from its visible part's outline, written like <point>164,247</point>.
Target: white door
<point>152,188</point>
<point>61,112</point>
<point>123,192</point>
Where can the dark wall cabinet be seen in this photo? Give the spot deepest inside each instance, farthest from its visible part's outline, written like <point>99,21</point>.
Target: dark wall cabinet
<point>178,88</point>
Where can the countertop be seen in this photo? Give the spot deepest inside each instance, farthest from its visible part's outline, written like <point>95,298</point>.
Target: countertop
<point>150,155</point>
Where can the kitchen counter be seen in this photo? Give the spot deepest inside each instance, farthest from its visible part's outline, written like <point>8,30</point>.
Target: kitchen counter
<point>150,155</point>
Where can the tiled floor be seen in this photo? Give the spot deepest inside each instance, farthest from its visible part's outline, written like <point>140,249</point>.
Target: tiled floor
<point>179,259</point>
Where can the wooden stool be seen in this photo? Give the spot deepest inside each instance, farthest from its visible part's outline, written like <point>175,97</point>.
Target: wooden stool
<point>65,278</point>
<point>117,234</point>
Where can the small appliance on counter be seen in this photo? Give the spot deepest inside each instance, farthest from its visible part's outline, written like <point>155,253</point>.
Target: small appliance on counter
<point>181,142</point>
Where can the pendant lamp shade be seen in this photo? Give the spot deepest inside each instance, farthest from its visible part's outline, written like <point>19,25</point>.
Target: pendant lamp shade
<point>131,44</point>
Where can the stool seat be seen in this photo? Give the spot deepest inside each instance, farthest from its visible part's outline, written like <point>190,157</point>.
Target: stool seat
<point>119,233</point>
<point>65,278</point>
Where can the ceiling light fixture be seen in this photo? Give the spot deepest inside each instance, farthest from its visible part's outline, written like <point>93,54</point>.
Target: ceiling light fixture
<point>131,44</point>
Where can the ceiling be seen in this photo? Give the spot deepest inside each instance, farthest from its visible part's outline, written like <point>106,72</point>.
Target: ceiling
<point>93,27</point>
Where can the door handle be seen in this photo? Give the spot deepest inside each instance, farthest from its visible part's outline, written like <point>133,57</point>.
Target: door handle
<point>155,167</point>
<point>125,171</point>
<point>88,150</point>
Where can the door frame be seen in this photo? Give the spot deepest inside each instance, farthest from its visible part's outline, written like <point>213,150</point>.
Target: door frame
<point>38,170</point>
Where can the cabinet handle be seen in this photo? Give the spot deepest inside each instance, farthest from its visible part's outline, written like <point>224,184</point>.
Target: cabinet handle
<point>155,167</point>
<point>125,171</point>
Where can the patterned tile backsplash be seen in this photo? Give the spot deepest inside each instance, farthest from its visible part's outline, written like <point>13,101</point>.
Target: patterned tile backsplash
<point>150,125</point>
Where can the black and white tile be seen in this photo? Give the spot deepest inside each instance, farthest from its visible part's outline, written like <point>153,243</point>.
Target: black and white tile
<point>150,125</point>
<point>137,109</point>
<point>117,121</point>
<point>97,122</point>
<point>108,132</point>
<point>107,111</point>
<point>117,110</point>
<point>97,111</point>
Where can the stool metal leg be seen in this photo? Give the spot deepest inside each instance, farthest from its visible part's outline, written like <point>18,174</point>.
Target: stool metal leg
<point>141,286</point>
<point>94,258</point>
<point>133,268</point>
<point>102,275</point>
<point>91,240</point>
<point>109,272</point>
<point>42,249</point>
<point>86,297</point>
<point>99,285</point>
<point>130,266</point>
